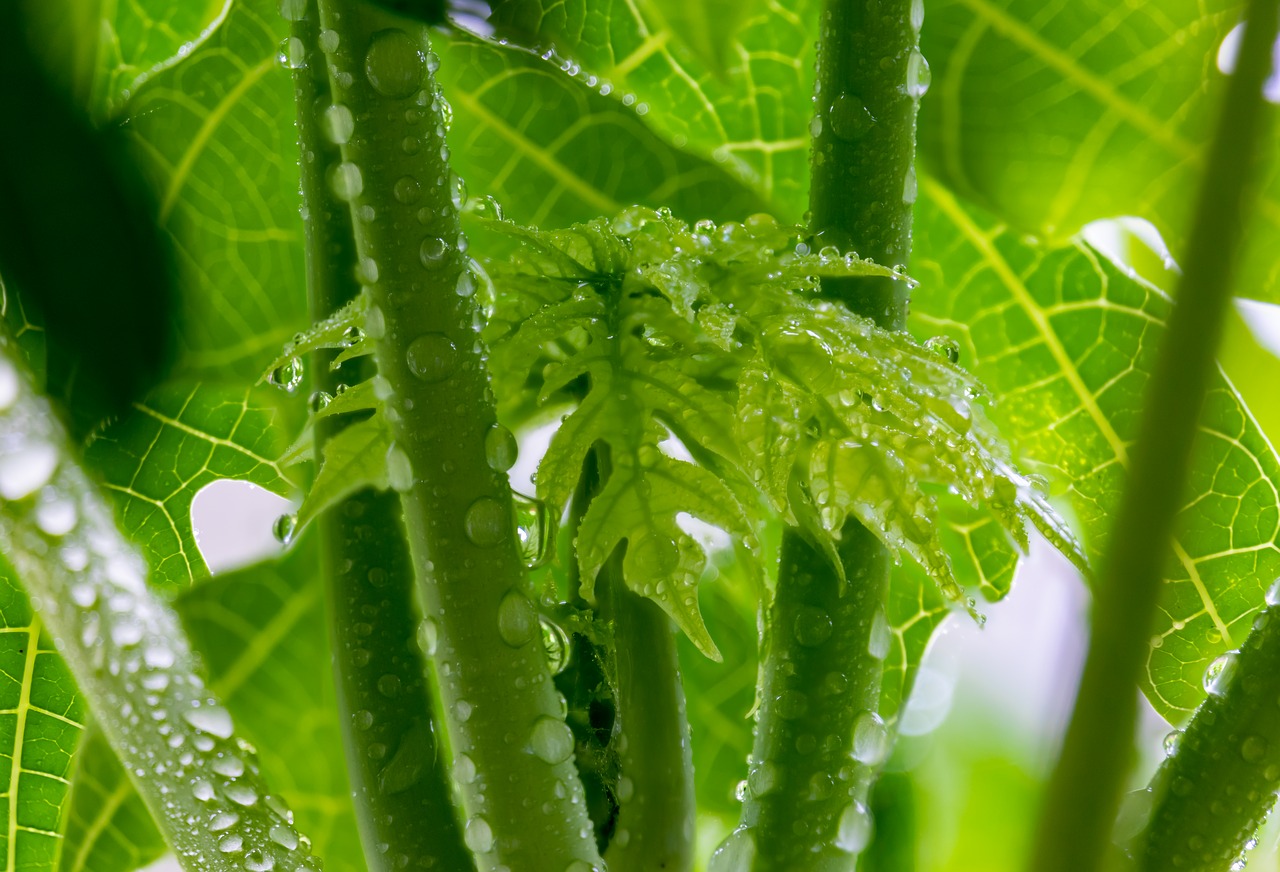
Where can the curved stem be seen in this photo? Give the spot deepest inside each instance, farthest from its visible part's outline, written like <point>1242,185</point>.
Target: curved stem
<point>1084,792</point>
<point>521,796</point>
<point>861,197</point>
<point>401,788</point>
<point>1213,793</point>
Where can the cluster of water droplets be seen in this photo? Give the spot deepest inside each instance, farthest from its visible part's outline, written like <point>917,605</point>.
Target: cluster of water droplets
<point>128,653</point>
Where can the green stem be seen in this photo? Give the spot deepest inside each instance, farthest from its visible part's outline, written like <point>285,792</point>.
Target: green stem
<point>126,651</point>
<point>1213,793</point>
<point>1084,791</point>
<point>795,815</point>
<point>524,806</point>
<point>654,827</point>
<point>401,789</point>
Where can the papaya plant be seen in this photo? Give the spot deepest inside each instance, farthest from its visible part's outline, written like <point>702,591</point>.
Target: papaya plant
<point>787,310</point>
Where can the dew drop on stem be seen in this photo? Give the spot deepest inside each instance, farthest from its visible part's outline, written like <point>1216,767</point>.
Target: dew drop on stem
<point>849,118</point>
<point>433,252</point>
<point>339,124</point>
<point>486,522</point>
<point>919,76</point>
<point>551,740</point>
<point>346,181</point>
<point>500,448</point>
<point>294,10</point>
<point>1218,677</point>
<point>478,835</point>
<point>517,619</point>
<point>432,357</point>
<point>395,64</point>
<point>853,832</point>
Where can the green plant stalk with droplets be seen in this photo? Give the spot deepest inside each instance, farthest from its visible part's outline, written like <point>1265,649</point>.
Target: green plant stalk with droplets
<point>127,651</point>
<point>404,804</point>
<point>500,710</point>
<point>822,654</point>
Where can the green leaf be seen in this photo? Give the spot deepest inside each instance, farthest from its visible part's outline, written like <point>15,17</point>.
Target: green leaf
<point>1110,113</point>
<point>722,80</point>
<point>1067,340</point>
<point>216,134</point>
<point>41,719</point>
<point>554,151</point>
<point>108,827</point>
<point>179,439</point>
<point>354,458</point>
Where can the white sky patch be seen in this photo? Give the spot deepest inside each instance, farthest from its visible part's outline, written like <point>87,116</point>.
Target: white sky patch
<point>233,523</point>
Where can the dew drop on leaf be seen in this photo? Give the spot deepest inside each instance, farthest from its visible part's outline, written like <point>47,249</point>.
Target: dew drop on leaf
<point>849,118</point>
<point>486,522</point>
<point>478,835</point>
<point>551,740</point>
<point>56,517</point>
<point>202,790</point>
<point>428,636</point>
<point>432,357</point>
<point>25,470</point>
<point>287,376</point>
<point>1273,593</point>
<point>339,124</point>
<point>230,767</point>
<point>945,347</point>
<point>259,862</point>
<point>500,448</point>
<point>517,619</point>
<point>284,837</point>
<point>211,719</point>
<point>230,844</point>
<point>626,789</point>
<point>1172,741</point>
<point>241,794</point>
<point>555,643</point>
<point>292,54</point>
<point>395,64</point>
<point>223,820</point>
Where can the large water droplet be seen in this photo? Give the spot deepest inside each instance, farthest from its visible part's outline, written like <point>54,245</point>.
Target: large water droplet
<point>395,64</point>
<point>9,385</point>
<point>555,643</point>
<point>464,770</point>
<point>284,837</point>
<point>910,187</point>
<point>1172,742</point>
<point>478,835</point>
<point>25,470</point>
<point>486,522</point>
<point>202,790</point>
<point>870,739</point>
<point>56,517</point>
<point>517,619</point>
<point>850,120</point>
<point>533,529</point>
<point>224,820</point>
<point>432,357</point>
<point>736,853</point>
<point>293,10</point>
<point>399,470</point>
<point>1273,593</point>
<point>853,833</point>
<point>551,740</point>
<point>919,76</point>
<point>917,14</point>
<point>762,779</point>
<point>284,528</point>
<point>433,252</point>
<point>212,719</point>
<point>812,626</point>
<point>329,41</point>
<point>287,376</point>
<point>945,347</point>
<point>292,54</point>
<point>230,844</point>
<point>346,180</point>
<point>259,862</point>
<point>500,448</point>
<point>339,124</point>
<point>1217,678</point>
<point>241,794</point>
<point>428,636</point>
<point>231,767</point>
<point>881,636</point>
<point>407,190</point>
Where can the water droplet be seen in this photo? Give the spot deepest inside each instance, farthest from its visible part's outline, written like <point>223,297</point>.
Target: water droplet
<point>428,636</point>
<point>389,685</point>
<point>1217,678</point>
<point>284,837</point>
<point>555,643</point>
<point>551,740</point>
<point>945,347</point>
<point>1172,742</point>
<point>241,794</point>
<point>346,180</point>
<point>626,789</point>
<point>500,448</point>
<point>486,522</point>
<point>853,833</point>
<point>478,835</point>
<point>407,190</point>
<point>433,252</point>
<point>395,64</point>
<point>56,517</point>
<point>212,719</point>
<point>399,470</point>
<point>1253,749</point>
<point>736,853</point>
<point>224,820</point>
<point>919,76</point>
<point>762,779</point>
<point>293,10</point>
<point>231,767</point>
<point>486,207</point>
<point>849,118</point>
<point>881,636</point>
<point>230,844</point>
<point>9,385</point>
<point>655,556</point>
<point>1273,593</point>
<point>27,469</point>
<point>259,862</point>
<point>870,739</point>
<point>812,626</point>
<point>367,273</point>
<point>917,14</point>
<point>287,376</point>
<point>363,719</point>
<point>432,357</point>
<point>533,529</point>
<point>202,790</point>
<point>462,711</point>
<point>910,188</point>
<point>319,400</point>
<point>517,619</point>
<point>284,528</point>
<point>464,770</point>
<point>339,124</point>
<point>329,41</point>
<point>293,53</point>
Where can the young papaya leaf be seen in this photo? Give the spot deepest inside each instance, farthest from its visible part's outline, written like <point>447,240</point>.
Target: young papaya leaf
<point>108,827</point>
<point>553,151</point>
<point>713,78</point>
<point>216,136</point>
<point>354,458</point>
<point>127,653</point>
<point>41,720</point>
<point>1067,340</point>
<point>1110,114</point>
<point>177,440</point>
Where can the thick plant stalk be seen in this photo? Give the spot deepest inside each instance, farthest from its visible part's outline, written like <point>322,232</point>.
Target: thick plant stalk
<point>1085,788</point>
<point>127,652</point>
<point>512,751</point>
<point>1212,794</point>
<point>818,737</point>
<point>398,773</point>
